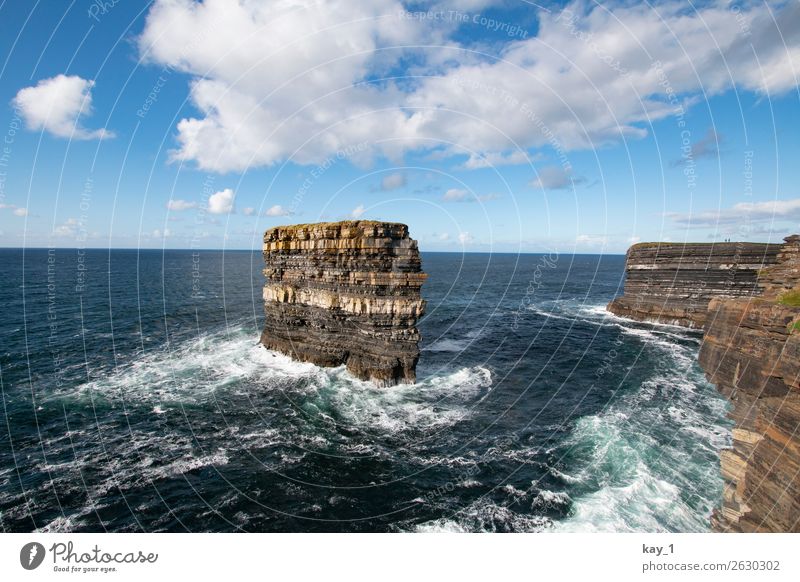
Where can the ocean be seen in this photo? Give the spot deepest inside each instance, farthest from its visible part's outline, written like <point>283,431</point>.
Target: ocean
<point>135,397</point>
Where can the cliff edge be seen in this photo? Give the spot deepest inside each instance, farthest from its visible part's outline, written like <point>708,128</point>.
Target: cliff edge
<point>674,282</point>
<point>751,352</point>
<point>345,293</point>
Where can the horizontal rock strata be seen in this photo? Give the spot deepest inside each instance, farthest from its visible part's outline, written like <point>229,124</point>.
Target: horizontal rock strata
<point>751,351</point>
<point>674,282</point>
<point>345,293</point>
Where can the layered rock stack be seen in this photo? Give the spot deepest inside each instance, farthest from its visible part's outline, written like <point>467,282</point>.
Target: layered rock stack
<point>674,282</point>
<point>345,293</point>
<point>751,351</point>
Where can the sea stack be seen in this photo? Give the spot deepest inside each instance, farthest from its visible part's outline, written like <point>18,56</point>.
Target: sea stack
<point>345,293</point>
<point>674,282</point>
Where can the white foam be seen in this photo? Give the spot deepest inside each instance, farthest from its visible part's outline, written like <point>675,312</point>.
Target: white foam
<point>485,516</point>
<point>433,404</point>
<point>598,315</point>
<point>513,491</point>
<point>548,500</point>
<point>194,371</point>
<point>641,483</point>
<point>61,524</point>
<point>564,476</point>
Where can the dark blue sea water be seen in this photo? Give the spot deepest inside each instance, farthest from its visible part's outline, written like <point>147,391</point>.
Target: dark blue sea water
<point>135,397</point>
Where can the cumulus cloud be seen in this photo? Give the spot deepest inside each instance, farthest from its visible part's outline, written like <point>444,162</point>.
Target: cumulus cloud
<point>358,211</point>
<point>771,210</point>
<point>20,212</point>
<point>158,234</point>
<point>249,211</point>
<point>56,105</point>
<point>465,238</point>
<point>555,178</point>
<point>594,73</point>
<point>180,205</point>
<point>221,202</point>
<point>393,181</point>
<point>277,210</point>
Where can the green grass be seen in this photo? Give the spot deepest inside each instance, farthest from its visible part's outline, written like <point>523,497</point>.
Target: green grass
<point>794,327</point>
<point>790,298</point>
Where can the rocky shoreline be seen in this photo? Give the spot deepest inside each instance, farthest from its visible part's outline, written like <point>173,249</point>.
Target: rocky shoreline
<point>345,293</point>
<point>750,351</point>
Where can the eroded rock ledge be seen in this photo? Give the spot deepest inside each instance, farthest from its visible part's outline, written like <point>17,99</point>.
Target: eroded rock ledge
<point>345,293</point>
<point>751,351</point>
<point>674,282</point>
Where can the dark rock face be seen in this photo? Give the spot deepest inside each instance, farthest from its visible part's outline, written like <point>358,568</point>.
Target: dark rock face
<point>674,282</point>
<point>751,351</point>
<point>345,293</point>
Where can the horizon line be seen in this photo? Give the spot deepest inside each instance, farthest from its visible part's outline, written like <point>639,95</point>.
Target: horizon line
<point>10,248</point>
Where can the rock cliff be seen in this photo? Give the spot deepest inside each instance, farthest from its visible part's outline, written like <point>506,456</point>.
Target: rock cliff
<point>751,351</point>
<point>345,293</point>
<point>674,282</point>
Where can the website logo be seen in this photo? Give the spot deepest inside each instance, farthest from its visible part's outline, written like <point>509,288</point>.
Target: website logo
<point>31,555</point>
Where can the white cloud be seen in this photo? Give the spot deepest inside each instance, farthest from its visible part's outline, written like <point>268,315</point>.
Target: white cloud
<point>17,210</point>
<point>495,159</point>
<point>272,82</point>
<point>555,178</point>
<point>57,104</point>
<point>444,237</point>
<point>743,212</point>
<point>68,229</point>
<point>393,181</point>
<point>459,195</point>
<point>179,205</point>
<point>249,211</point>
<point>277,210</point>
<point>455,195</point>
<point>465,238</point>
<point>358,211</point>
<point>158,234</point>
<point>221,202</point>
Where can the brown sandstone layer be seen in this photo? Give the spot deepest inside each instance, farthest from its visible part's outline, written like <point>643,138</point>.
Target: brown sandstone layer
<point>674,282</point>
<point>751,351</point>
<point>345,293</point>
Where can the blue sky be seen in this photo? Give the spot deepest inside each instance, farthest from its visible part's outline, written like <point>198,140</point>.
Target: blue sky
<point>484,125</point>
